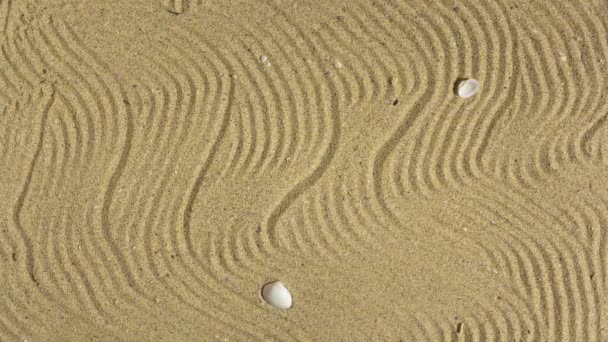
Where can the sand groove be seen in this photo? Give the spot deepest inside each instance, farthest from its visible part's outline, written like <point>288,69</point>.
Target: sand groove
<point>164,159</point>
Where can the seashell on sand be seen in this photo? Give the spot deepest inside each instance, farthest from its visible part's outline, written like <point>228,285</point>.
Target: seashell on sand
<point>265,61</point>
<point>276,294</point>
<point>467,88</point>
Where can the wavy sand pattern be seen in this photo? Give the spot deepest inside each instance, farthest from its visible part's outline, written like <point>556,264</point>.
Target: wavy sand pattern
<point>164,159</point>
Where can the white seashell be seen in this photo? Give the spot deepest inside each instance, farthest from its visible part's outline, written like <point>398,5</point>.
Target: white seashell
<point>265,61</point>
<point>468,88</point>
<point>277,295</point>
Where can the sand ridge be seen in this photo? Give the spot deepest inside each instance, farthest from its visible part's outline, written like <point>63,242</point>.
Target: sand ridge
<point>158,170</point>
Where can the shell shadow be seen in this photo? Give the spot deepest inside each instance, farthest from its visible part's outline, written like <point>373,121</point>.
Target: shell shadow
<point>456,84</point>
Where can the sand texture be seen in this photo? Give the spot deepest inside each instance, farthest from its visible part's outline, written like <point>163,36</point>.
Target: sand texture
<point>161,160</point>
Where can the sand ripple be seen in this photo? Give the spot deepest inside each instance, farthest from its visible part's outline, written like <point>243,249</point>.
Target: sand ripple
<point>164,159</point>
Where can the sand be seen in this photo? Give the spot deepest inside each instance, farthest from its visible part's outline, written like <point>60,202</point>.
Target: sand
<point>161,160</point>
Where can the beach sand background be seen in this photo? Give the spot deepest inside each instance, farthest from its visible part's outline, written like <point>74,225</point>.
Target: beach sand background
<point>161,160</point>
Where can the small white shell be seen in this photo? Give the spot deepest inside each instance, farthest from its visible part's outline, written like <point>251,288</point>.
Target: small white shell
<point>264,60</point>
<point>468,88</point>
<point>277,295</point>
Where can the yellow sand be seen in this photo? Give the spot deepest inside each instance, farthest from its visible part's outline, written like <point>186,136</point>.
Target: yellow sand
<point>161,160</point>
